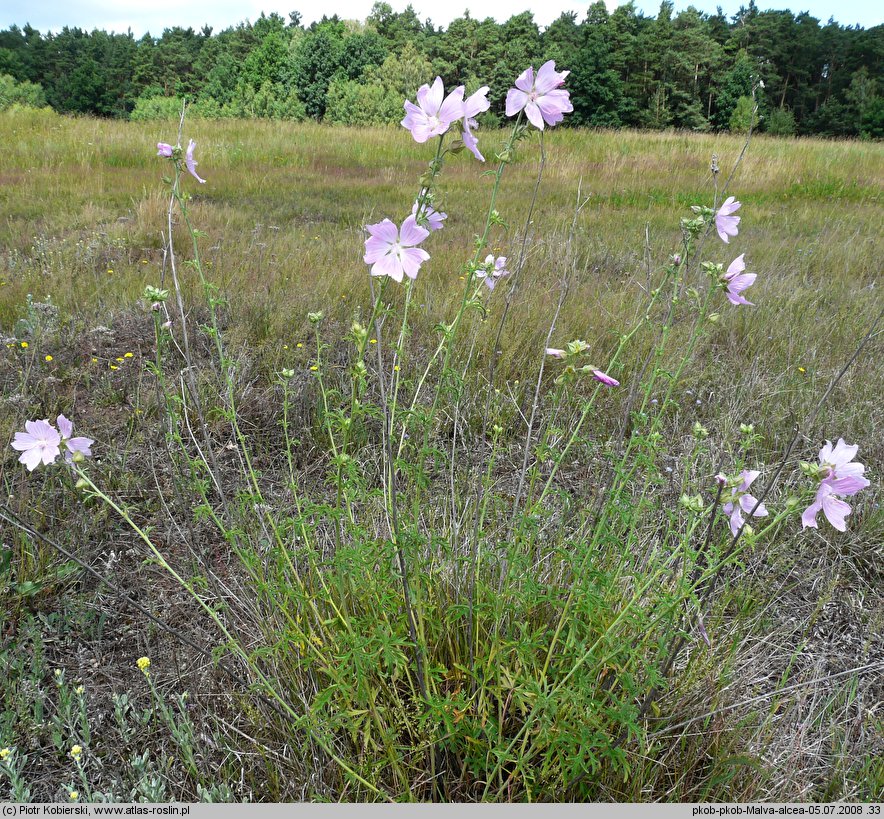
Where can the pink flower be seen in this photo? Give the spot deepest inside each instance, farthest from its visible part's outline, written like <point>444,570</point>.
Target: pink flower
<point>555,352</point>
<point>429,218</point>
<point>433,115</point>
<point>725,222</point>
<point>739,501</point>
<point>392,251</point>
<point>605,379</point>
<point>472,106</point>
<point>164,149</point>
<point>191,163</point>
<point>40,444</point>
<point>736,281</point>
<point>72,445</point>
<point>541,98</point>
<point>840,476</point>
<point>494,269</point>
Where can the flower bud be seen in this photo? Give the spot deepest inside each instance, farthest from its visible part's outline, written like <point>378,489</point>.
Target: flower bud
<point>81,484</point>
<point>315,318</point>
<point>747,429</point>
<point>154,294</point>
<point>692,503</point>
<point>78,457</point>
<point>700,431</point>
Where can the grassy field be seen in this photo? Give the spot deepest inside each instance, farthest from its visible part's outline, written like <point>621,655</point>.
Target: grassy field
<point>261,475</point>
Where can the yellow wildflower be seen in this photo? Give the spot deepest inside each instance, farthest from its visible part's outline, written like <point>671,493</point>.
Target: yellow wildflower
<point>74,795</point>
<point>120,359</point>
<point>128,355</point>
<point>114,367</point>
<point>372,341</point>
<point>396,368</point>
<point>76,751</point>
<point>314,368</point>
<point>4,752</point>
<point>48,358</point>
<point>802,370</point>
<point>299,345</point>
<point>143,663</point>
<point>24,345</point>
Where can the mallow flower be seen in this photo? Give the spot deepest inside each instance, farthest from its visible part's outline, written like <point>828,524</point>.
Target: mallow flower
<point>190,163</point>
<point>164,149</point>
<point>434,112</point>
<point>38,444</point>
<point>736,281</point>
<point>738,500</point>
<point>839,474</point>
<point>725,221</point>
<point>429,217</point>
<point>72,445</point>
<point>393,251</point>
<point>603,378</point>
<point>493,269</point>
<point>474,105</point>
<point>540,97</point>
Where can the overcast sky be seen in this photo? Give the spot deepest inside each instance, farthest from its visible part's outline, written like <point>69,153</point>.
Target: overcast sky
<point>153,16</point>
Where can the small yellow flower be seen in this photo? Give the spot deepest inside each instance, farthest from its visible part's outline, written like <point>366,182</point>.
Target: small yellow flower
<point>24,345</point>
<point>802,370</point>
<point>299,345</point>
<point>4,752</point>
<point>516,383</point>
<point>143,663</point>
<point>396,368</point>
<point>94,360</point>
<point>314,368</point>
<point>110,270</point>
<point>79,689</point>
<point>144,261</point>
<point>114,367</point>
<point>74,795</point>
<point>128,355</point>
<point>75,752</point>
<point>461,277</point>
<point>57,672</point>
<point>285,346</point>
<point>372,341</point>
<point>120,359</point>
<point>48,358</point>
<point>317,640</point>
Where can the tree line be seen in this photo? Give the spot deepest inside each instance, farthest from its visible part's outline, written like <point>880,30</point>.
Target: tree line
<point>688,70</point>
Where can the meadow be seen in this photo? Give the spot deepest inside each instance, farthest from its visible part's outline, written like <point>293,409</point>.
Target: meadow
<point>397,552</point>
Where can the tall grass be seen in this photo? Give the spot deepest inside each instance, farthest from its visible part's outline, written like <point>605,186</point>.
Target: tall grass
<point>432,563</point>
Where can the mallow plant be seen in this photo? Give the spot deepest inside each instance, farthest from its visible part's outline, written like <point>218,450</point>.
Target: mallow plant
<point>417,622</point>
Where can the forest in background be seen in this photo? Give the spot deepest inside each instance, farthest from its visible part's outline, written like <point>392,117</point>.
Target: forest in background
<point>689,70</point>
